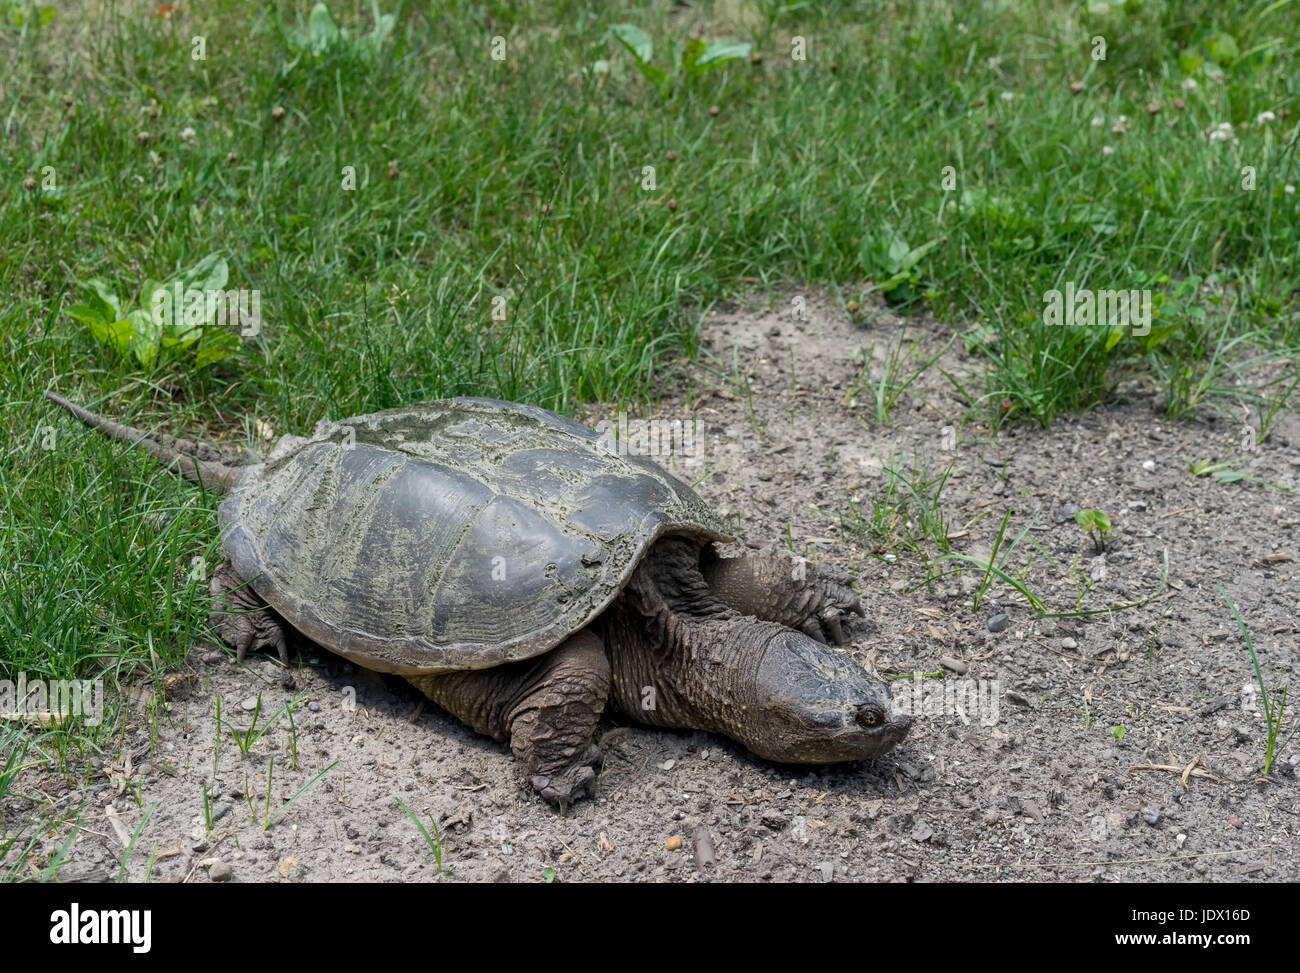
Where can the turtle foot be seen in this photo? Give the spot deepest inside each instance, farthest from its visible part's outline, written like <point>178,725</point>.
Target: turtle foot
<point>813,599</point>
<point>242,619</point>
<point>577,780</point>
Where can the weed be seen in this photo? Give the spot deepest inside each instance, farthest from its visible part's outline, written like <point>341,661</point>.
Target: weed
<point>1274,706</point>
<point>1097,526</point>
<point>434,841</point>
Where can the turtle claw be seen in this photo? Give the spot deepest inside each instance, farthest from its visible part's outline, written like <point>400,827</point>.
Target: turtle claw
<point>813,599</point>
<point>835,600</point>
<point>243,620</point>
<point>575,781</point>
<point>822,599</point>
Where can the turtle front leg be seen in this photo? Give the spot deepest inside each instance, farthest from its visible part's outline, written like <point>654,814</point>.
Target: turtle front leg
<point>242,619</point>
<point>547,707</point>
<point>811,599</point>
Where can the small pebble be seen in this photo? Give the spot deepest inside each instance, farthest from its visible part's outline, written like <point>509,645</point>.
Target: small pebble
<point>998,622</point>
<point>827,870</point>
<point>668,765</point>
<point>1148,465</point>
<point>314,706</point>
<point>249,704</point>
<point>704,851</point>
<point>1151,815</point>
<point>1234,821</point>
<point>673,843</point>
<point>1069,643</point>
<point>955,665</point>
<point>220,872</point>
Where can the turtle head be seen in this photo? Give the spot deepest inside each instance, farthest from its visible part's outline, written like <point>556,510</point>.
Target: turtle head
<point>814,706</point>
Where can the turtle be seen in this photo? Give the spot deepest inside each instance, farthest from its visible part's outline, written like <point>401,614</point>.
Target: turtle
<point>526,577</point>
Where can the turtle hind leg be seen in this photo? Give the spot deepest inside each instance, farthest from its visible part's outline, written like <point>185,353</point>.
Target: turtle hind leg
<point>242,619</point>
<point>809,598</point>
<point>547,708</point>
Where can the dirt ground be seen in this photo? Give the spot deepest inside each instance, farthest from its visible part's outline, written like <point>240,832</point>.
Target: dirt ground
<point>1112,747</point>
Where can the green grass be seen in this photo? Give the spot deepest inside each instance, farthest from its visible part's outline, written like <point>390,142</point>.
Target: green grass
<point>1274,703</point>
<point>516,186</point>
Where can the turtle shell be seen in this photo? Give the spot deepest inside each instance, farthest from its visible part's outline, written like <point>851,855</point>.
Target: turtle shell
<point>450,535</point>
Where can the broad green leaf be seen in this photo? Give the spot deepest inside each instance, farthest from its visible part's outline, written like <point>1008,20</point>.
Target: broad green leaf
<point>371,44</point>
<point>1228,476</point>
<point>102,299</point>
<point>694,48</point>
<point>898,251</point>
<point>635,40</point>
<point>321,29</point>
<point>716,54</point>
<point>114,334</point>
<point>216,345</point>
<point>1157,334</point>
<point>209,274</point>
<point>1223,48</point>
<point>144,337</point>
<point>916,253</point>
<point>1113,337</point>
<point>147,292</point>
<point>656,75</point>
<point>88,315</point>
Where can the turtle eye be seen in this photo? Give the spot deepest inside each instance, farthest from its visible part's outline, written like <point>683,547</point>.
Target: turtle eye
<point>870,716</point>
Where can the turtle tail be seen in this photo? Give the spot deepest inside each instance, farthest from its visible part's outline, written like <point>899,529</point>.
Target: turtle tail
<point>212,466</point>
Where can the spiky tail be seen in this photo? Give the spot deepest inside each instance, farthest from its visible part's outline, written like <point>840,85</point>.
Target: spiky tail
<point>214,467</point>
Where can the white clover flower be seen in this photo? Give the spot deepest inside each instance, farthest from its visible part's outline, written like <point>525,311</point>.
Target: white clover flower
<point>1265,118</point>
<point>1107,151</point>
<point>187,134</point>
<point>1123,119</point>
<point>1189,84</point>
<point>1008,95</point>
<point>1098,122</point>
<point>1289,189</point>
<point>962,28</point>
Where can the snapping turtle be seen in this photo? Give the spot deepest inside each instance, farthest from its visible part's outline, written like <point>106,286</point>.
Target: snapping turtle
<point>524,576</point>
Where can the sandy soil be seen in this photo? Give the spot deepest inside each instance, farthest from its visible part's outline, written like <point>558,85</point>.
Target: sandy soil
<point>1027,779</point>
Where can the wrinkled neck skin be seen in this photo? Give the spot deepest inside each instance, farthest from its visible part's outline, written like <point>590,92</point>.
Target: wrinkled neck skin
<point>679,657</point>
